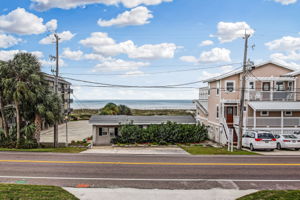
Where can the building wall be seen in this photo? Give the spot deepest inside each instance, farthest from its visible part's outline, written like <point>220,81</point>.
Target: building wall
<point>213,102</point>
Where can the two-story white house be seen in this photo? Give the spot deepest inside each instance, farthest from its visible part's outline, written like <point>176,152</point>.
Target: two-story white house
<point>272,101</point>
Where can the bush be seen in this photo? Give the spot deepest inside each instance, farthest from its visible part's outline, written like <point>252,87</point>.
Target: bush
<point>169,133</point>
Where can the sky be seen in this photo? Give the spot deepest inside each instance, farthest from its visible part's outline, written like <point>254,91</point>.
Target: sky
<point>149,42</point>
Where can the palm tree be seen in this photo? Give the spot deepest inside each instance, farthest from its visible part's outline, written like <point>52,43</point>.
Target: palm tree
<point>3,76</point>
<point>26,75</point>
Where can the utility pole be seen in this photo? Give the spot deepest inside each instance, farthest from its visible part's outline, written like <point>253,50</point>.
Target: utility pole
<point>242,100</point>
<point>55,144</point>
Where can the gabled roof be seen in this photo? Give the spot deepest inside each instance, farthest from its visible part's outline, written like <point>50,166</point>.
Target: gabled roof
<point>139,120</point>
<point>238,71</point>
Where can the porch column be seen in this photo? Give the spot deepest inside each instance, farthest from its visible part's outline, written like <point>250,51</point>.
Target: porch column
<point>281,122</point>
<point>272,90</point>
<point>254,119</point>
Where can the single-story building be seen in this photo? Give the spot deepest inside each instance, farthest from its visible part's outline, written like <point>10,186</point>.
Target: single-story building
<point>106,127</point>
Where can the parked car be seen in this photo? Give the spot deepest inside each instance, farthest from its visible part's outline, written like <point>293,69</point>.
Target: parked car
<point>287,141</point>
<point>259,140</point>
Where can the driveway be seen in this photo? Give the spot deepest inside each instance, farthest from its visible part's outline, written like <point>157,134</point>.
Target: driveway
<point>136,150</point>
<point>77,131</point>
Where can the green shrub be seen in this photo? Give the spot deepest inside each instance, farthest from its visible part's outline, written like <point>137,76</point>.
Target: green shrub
<point>169,133</point>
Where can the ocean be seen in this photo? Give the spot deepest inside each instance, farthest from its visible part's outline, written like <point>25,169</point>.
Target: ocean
<point>135,104</point>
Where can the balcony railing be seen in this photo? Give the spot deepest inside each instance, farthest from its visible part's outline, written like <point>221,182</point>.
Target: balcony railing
<point>274,122</point>
<point>271,96</point>
<point>270,121</point>
<point>203,93</point>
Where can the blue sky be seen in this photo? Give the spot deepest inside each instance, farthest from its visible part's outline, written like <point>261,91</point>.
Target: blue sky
<point>129,41</point>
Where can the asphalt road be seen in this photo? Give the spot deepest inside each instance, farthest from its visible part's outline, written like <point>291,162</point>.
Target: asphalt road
<point>149,171</point>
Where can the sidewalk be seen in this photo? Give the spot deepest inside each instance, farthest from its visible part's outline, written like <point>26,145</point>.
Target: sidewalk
<point>136,150</point>
<point>155,194</point>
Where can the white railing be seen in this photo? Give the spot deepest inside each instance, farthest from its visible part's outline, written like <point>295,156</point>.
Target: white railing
<point>203,93</point>
<point>277,130</point>
<point>274,122</point>
<point>271,96</point>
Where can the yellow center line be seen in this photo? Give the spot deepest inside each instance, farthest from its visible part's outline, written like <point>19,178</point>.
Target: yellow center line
<point>150,163</point>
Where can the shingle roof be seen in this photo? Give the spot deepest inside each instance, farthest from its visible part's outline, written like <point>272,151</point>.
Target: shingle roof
<point>275,106</point>
<point>238,71</point>
<point>139,120</point>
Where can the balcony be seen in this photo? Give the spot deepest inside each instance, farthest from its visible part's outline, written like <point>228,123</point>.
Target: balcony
<point>270,122</point>
<point>203,93</point>
<point>271,96</point>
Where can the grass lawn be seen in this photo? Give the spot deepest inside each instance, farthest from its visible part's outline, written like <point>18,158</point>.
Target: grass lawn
<point>33,192</point>
<point>203,150</point>
<point>54,150</point>
<point>273,195</point>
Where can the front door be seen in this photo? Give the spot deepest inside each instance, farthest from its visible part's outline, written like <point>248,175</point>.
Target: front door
<point>229,116</point>
<point>229,121</point>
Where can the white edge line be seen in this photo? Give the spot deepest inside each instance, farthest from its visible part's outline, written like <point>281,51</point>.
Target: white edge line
<point>141,179</point>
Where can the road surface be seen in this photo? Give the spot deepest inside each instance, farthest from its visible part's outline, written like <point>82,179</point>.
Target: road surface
<point>151,171</point>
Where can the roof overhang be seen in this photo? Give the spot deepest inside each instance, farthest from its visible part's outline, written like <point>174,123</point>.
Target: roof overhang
<point>238,71</point>
<point>275,106</point>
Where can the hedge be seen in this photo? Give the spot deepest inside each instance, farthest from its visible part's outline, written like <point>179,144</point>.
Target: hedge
<point>168,133</point>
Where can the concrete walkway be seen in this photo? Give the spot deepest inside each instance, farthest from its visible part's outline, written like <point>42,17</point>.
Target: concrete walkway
<point>138,194</point>
<point>136,150</point>
<point>78,130</point>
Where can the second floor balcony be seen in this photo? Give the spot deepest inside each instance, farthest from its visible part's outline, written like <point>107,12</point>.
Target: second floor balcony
<point>203,93</point>
<point>271,96</point>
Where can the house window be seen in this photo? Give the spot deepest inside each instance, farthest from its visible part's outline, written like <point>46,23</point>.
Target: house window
<point>230,86</point>
<point>218,87</point>
<point>217,111</point>
<point>103,131</point>
<point>279,86</point>
<point>288,113</point>
<point>266,86</point>
<point>251,85</point>
<point>264,113</point>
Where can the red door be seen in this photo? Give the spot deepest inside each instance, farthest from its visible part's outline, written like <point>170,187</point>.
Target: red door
<point>229,120</point>
<point>229,116</point>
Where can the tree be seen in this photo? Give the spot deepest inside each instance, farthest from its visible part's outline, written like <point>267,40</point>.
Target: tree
<point>25,76</point>
<point>110,109</point>
<point>113,109</point>
<point>3,76</point>
<point>124,110</point>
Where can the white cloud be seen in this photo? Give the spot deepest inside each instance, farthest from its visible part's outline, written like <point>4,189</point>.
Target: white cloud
<point>134,73</point>
<point>93,56</point>
<point>22,22</point>
<point>118,64</point>
<point>215,55</point>
<point>64,36</point>
<point>224,69</point>
<point>228,31</point>
<point>286,2</point>
<point>289,59</point>
<point>190,59</point>
<point>206,43</point>
<point>136,16</point>
<point>48,63</point>
<point>8,55</point>
<point>43,5</point>
<point>106,46</point>
<point>72,55</point>
<point>52,25</point>
<point>7,41</point>
<point>286,43</point>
